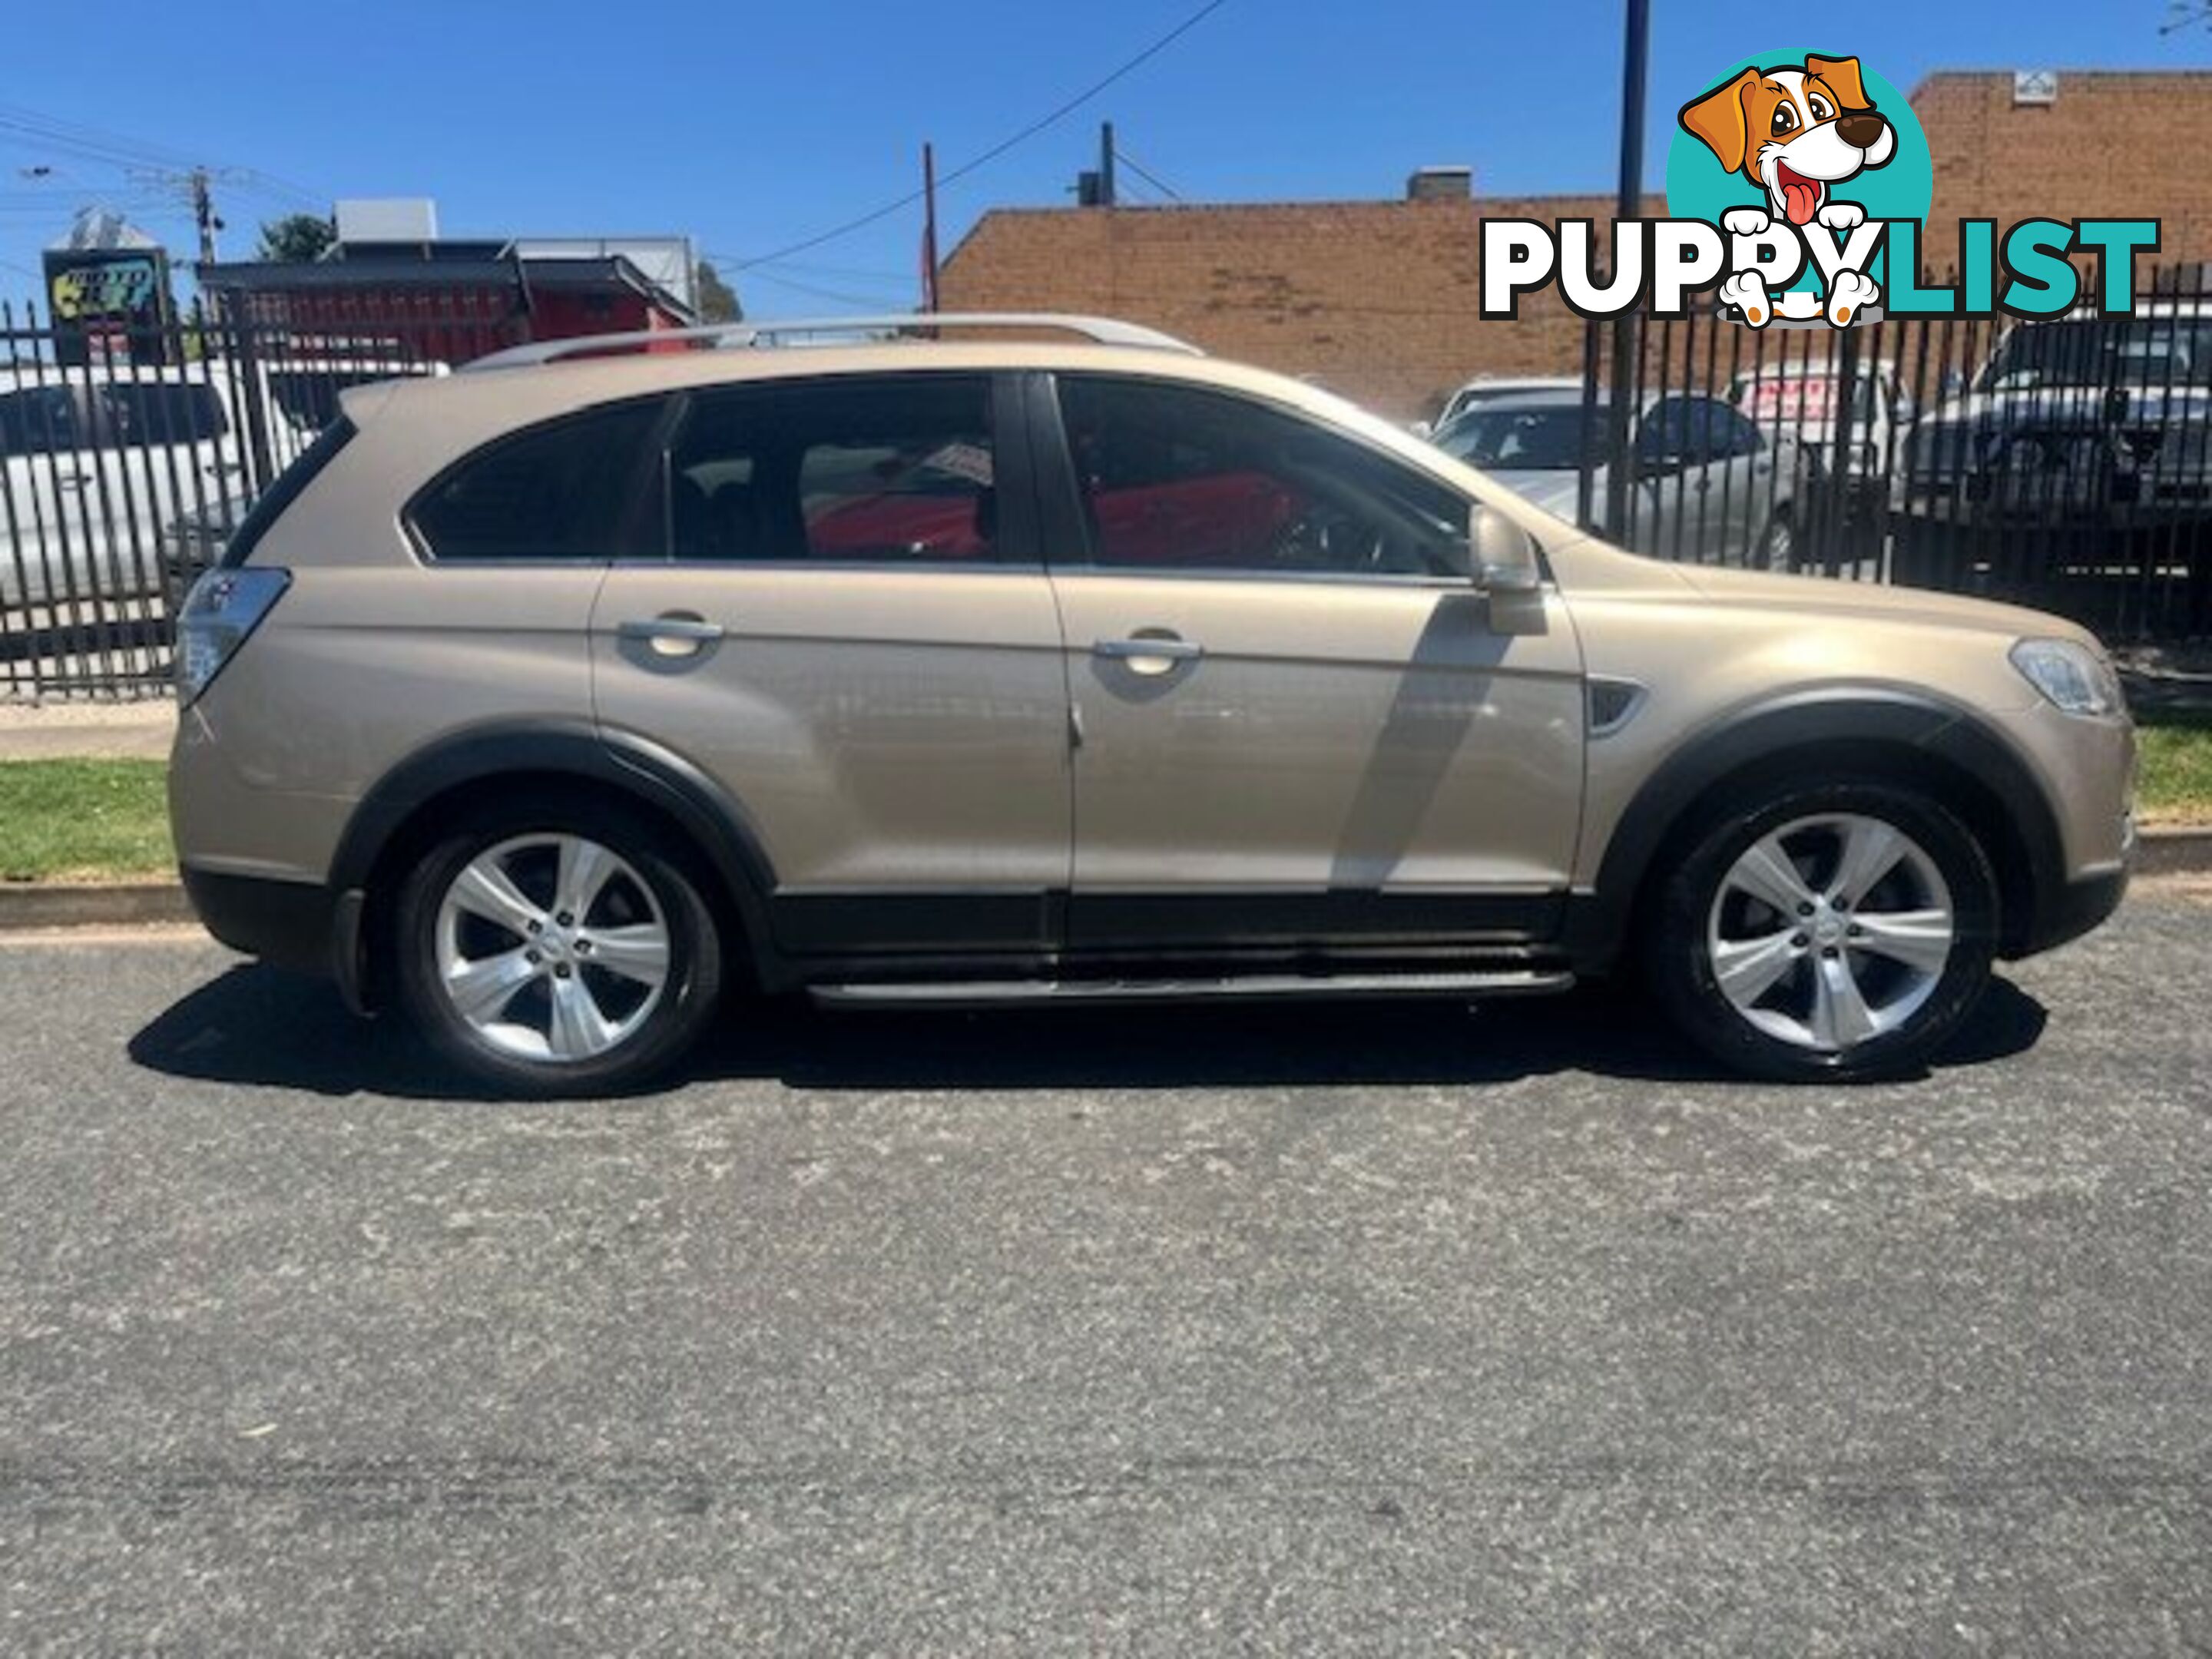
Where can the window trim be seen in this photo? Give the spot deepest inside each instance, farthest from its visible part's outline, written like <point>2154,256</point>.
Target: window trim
<point>1061,512</point>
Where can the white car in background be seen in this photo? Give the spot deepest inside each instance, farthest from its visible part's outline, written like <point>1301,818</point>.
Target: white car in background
<point>99,461</point>
<point>1805,400</point>
<point>1485,387</point>
<point>1711,487</point>
<point>123,483</point>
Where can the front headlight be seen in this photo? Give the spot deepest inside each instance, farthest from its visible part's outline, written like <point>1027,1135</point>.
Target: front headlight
<point>2071,677</point>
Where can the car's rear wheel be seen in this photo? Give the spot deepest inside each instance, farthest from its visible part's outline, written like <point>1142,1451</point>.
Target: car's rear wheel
<point>1835,931</point>
<point>557,949</point>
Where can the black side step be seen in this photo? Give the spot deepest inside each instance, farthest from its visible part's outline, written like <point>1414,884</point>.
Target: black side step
<point>1255,987</point>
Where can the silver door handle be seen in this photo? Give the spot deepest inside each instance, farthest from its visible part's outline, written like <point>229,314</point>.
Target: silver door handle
<point>1165,650</point>
<point>689,629</point>
<point>676,635</point>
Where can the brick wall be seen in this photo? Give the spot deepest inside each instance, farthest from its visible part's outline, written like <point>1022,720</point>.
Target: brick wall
<point>2117,145</point>
<point>1378,298</point>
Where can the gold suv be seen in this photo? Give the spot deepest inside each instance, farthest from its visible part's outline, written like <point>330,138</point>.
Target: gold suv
<point>552,701</point>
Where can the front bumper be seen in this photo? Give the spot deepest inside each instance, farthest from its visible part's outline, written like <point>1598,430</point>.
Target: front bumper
<point>2074,908</point>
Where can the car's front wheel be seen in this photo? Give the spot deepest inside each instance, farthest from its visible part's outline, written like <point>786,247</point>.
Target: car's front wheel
<point>557,949</point>
<point>1778,543</point>
<point>1834,931</point>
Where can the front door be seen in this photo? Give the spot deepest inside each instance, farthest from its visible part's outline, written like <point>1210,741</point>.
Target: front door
<point>844,621</point>
<point>1299,723</point>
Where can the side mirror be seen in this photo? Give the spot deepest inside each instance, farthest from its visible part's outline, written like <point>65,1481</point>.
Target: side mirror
<point>1502,556</point>
<point>1422,429</point>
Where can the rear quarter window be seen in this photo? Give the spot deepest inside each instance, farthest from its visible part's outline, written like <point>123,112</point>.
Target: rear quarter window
<point>569,489</point>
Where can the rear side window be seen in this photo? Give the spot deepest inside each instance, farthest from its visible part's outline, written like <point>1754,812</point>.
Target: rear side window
<point>896,468</point>
<point>568,490</point>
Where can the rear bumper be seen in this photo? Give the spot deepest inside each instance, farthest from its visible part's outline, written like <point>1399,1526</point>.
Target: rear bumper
<point>284,922</point>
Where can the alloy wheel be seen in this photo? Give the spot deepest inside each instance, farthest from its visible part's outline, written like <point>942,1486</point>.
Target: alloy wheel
<point>1831,931</point>
<point>1777,548</point>
<point>551,947</point>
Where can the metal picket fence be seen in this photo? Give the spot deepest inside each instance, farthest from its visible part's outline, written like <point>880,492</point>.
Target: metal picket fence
<point>2065,465</point>
<point>126,462</point>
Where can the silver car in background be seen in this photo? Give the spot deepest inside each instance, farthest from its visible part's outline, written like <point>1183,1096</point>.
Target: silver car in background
<point>1711,485</point>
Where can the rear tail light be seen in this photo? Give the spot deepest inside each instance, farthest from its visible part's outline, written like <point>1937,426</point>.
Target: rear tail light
<point>223,609</point>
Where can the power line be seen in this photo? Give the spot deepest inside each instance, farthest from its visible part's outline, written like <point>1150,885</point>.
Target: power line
<point>53,127</point>
<point>873,302</point>
<point>1000,148</point>
<point>28,128</point>
<point>807,268</point>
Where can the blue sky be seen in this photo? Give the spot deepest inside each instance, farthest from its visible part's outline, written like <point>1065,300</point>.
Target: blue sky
<point>753,126</point>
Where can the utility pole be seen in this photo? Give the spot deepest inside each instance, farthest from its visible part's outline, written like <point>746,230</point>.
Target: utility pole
<point>929,227</point>
<point>1636,48</point>
<point>1105,164</point>
<point>204,214</point>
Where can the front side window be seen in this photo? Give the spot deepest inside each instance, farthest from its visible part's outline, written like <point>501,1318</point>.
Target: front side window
<point>1735,434</point>
<point>569,489</point>
<point>1176,477</point>
<point>900,468</point>
<point>1678,432</point>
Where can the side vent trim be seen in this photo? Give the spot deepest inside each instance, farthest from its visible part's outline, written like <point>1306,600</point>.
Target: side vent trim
<point>1613,703</point>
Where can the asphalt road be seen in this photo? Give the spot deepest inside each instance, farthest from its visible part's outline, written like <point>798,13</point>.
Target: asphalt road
<point>1355,1330</point>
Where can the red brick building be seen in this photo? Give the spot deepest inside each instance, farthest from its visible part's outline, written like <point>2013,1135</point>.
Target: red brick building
<point>1379,299</point>
<point>450,300</point>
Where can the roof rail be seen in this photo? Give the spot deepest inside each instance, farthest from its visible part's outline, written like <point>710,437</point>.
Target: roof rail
<point>1103,331</point>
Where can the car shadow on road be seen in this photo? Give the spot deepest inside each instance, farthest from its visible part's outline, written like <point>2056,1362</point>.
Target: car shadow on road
<point>258,1026</point>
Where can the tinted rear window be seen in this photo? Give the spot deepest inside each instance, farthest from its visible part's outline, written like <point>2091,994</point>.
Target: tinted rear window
<point>563,491</point>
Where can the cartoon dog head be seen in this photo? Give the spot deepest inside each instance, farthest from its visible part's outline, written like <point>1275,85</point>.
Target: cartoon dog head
<point>1793,132</point>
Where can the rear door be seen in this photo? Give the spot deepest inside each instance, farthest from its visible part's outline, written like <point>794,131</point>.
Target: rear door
<point>1299,723</point>
<point>843,619</point>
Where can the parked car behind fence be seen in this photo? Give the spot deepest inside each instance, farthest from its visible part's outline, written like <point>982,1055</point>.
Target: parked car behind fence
<point>1709,485</point>
<point>120,480</point>
<point>2080,459</point>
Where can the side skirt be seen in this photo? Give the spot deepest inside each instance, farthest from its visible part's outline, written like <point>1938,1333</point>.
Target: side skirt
<point>1235,988</point>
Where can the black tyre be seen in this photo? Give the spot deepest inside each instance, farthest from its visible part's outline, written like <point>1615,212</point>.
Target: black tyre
<point>1778,543</point>
<point>550,948</point>
<point>1836,931</point>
